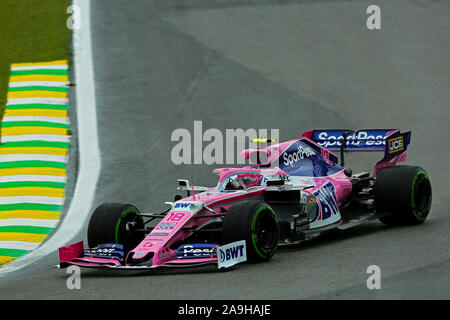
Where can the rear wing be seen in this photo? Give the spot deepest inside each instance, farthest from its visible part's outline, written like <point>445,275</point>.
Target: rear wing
<point>391,141</point>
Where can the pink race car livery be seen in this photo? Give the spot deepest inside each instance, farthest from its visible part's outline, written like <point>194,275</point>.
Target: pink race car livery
<point>295,191</point>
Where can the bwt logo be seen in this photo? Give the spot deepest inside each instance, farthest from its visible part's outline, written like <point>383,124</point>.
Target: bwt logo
<point>232,253</point>
<point>182,205</point>
<point>327,201</point>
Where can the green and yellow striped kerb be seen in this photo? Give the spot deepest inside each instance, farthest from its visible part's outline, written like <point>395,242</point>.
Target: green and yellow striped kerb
<point>35,139</point>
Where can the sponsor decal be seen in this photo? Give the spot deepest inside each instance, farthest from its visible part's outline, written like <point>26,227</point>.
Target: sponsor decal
<point>154,239</point>
<point>231,254</point>
<point>112,250</point>
<point>303,181</point>
<point>310,200</point>
<point>396,144</point>
<point>326,155</point>
<point>159,234</point>
<point>300,223</point>
<point>182,205</point>
<point>290,158</point>
<point>139,255</point>
<point>201,250</point>
<point>148,245</point>
<point>327,204</point>
<point>163,226</point>
<point>373,139</point>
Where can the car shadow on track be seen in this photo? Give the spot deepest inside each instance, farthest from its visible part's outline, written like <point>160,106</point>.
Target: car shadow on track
<point>329,238</point>
<point>360,231</point>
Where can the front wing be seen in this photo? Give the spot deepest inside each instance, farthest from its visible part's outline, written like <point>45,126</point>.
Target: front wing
<point>74,254</point>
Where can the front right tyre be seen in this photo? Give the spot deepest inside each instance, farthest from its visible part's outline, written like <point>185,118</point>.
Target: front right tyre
<point>114,223</point>
<point>257,224</point>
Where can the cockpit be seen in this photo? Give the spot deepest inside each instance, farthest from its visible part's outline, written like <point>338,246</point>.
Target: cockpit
<point>243,181</point>
<point>235,179</point>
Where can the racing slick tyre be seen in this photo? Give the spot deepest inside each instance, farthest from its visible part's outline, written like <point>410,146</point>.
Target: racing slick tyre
<point>114,223</point>
<point>404,193</point>
<point>257,224</point>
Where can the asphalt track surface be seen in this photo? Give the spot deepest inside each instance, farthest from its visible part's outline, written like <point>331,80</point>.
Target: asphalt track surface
<point>290,65</point>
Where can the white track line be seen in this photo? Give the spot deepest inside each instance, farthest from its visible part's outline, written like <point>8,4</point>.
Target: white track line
<point>16,178</point>
<point>48,223</point>
<point>32,199</point>
<point>32,157</point>
<point>89,162</point>
<point>16,101</point>
<point>21,245</point>
<point>37,137</point>
<point>36,118</point>
<point>19,84</point>
<point>40,67</point>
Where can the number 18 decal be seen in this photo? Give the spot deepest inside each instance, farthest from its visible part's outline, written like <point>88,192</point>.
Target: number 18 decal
<point>175,216</point>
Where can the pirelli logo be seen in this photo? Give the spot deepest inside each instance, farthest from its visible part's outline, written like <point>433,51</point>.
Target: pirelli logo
<point>396,144</point>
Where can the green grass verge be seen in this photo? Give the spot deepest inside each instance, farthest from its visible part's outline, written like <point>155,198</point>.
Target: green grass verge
<point>31,31</point>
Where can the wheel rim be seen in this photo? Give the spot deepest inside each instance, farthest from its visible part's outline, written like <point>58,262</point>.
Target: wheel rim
<point>422,197</point>
<point>265,233</point>
<point>124,235</point>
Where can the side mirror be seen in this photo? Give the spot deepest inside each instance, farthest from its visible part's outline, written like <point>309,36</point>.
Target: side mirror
<point>184,183</point>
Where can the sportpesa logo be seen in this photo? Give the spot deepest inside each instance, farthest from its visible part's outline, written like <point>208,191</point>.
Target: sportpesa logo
<point>292,157</point>
<point>363,138</point>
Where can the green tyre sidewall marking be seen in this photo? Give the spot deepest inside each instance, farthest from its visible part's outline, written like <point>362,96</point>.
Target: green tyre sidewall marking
<point>252,235</point>
<point>122,216</point>
<point>413,186</point>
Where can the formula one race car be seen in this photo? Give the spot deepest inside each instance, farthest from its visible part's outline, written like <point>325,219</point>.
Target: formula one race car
<point>293,191</point>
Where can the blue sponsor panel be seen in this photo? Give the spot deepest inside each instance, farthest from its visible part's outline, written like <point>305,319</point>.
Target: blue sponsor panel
<point>303,158</point>
<point>166,225</point>
<point>197,250</point>
<point>397,144</point>
<point>182,205</point>
<point>159,234</point>
<point>362,140</point>
<point>108,250</point>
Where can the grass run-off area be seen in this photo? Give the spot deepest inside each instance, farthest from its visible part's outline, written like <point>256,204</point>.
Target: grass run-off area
<point>31,31</point>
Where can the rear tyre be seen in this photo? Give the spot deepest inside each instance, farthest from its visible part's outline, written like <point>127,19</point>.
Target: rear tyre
<point>256,223</point>
<point>114,223</point>
<point>404,193</point>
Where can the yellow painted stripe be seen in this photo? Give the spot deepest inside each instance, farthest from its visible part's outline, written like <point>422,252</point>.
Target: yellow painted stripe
<point>14,93</point>
<point>22,236</point>
<point>35,150</point>
<point>36,112</point>
<point>36,94</point>
<point>6,259</point>
<point>12,131</point>
<point>30,214</point>
<point>39,77</point>
<point>32,191</point>
<point>29,170</point>
<point>32,64</point>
